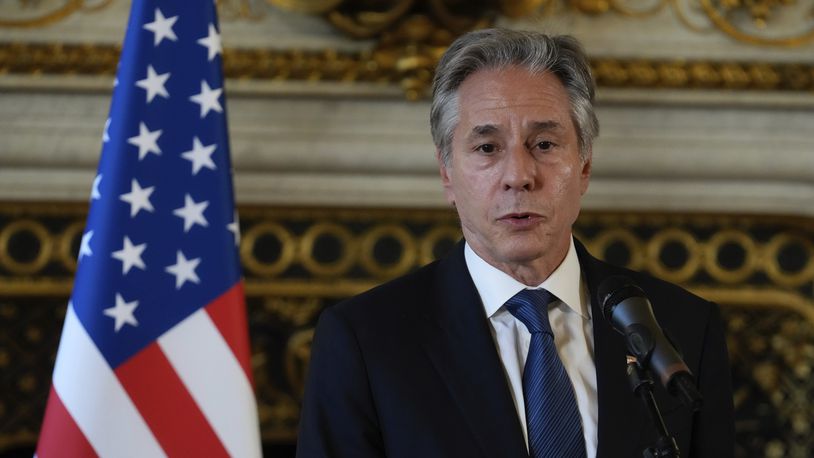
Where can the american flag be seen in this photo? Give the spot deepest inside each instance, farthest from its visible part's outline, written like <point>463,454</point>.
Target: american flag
<point>154,354</point>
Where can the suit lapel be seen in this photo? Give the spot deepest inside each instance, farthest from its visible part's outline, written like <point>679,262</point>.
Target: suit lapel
<point>620,418</point>
<point>457,340</point>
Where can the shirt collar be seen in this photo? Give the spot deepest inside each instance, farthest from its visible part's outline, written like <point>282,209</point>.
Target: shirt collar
<point>495,287</point>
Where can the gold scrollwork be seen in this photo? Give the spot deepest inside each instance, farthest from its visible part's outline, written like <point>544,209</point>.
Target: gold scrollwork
<point>43,254</point>
<point>760,11</point>
<point>306,6</point>
<point>402,264</point>
<point>713,247</point>
<point>772,260</point>
<point>46,17</point>
<point>346,243</point>
<point>64,253</point>
<point>365,19</point>
<point>601,243</point>
<point>687,241</point>
<point>431,239</point>
<point>287,249</point>
<point>297,355</point>
<point>412,68</point>
<point>296,311</point>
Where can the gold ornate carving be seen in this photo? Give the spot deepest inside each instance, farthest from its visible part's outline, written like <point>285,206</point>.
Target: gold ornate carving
<point>287,249</point>
<point>414,72</point>
<point>749,21</point>
<point>42,251</point>
<point>715,246</point>
<point>685,270</point>
<point>297,355</point>
<point>38,13</point>
<point>405,260</point>
<point>721,12</point>
<point>772,258</point>
<point>295,311</point>
<point>346,244</point>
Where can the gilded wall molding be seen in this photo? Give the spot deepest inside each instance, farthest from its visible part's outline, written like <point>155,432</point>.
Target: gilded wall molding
<point>35,14</point>
<point>753,22</point>
<point>413,73</point>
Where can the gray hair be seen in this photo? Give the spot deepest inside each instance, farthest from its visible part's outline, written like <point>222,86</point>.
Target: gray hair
<point>561,55</point>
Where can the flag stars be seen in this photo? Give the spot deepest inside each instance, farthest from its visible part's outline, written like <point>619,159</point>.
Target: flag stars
<point>208,99</point>
<point>200,156</point>
<point>192,213</point>
<point>105,134</point>
<point>84,245</point>
<point>161,27</point>
<point>212,42</point>
<point>138,198</point>
<point>154,84</point>
<point>122,313</point>
<point>146,140</point>
<point>184,270</point>
<point>234,228</point>
<point>94,192</point>
<point>130,256</point>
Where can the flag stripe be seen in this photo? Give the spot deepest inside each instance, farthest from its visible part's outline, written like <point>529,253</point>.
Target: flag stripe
<point>228,312</point>
<point>166,406</point>
<point>89,390</point>
<point>216,381</point>
<point>60,432</point>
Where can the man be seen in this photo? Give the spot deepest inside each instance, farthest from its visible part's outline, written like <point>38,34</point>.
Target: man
<point>457,359</point>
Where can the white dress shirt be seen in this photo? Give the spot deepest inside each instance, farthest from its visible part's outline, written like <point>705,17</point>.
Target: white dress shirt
<point>570,319</point>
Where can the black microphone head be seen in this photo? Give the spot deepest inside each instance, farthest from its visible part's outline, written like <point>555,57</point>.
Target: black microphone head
<point>613,290</point>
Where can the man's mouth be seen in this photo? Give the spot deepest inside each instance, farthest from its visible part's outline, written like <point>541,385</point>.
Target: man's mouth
<point>520,216</point>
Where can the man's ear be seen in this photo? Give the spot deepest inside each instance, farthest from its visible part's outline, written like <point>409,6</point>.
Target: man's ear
<point>446,181</point>
<point>585,173</point>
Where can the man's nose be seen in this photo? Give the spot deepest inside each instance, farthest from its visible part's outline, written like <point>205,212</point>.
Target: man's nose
<point>519,170</point>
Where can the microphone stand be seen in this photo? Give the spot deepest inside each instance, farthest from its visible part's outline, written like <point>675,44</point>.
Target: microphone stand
<point>642,384</point>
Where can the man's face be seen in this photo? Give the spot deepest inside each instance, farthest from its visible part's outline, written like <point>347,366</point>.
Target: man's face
<point>515,175</point>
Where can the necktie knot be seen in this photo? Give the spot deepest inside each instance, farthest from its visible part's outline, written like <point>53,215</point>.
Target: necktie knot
<point>530,306</point>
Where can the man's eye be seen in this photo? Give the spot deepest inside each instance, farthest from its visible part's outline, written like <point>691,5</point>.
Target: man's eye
<point>486,148</point>
<point>545,145</point>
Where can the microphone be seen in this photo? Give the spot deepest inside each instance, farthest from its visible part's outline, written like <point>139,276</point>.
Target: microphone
<point>629,312</point>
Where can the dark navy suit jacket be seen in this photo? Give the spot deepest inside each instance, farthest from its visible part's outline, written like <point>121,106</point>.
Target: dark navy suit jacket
<point>410,369</point>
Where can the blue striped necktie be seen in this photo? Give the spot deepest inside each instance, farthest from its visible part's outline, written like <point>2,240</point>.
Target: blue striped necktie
<point>552,419</point>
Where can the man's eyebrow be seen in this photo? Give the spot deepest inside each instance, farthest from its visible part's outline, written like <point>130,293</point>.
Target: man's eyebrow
<point>546,125</point>
<point>480,131</point>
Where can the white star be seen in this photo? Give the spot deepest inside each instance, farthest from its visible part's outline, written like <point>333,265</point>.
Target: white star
<point>208,99</point>
<point>130,255</point>
<point>212,42</point>
<point>234,227</point>
<point>200,156</point>
<point>105,135</point>
<point>154,84</point>
<point>146,141</point>
<point>161,27</point>
<point>94,193</point>
<point>122,312</point>
<point>138,198</point>
<point>184,270</point>
<point>84,246</point>
<point>192,213</point>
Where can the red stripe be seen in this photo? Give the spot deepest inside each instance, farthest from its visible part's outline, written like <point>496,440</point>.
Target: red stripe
<point>166,405</point>
<point>60,435</point>
<point>228,312</point>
